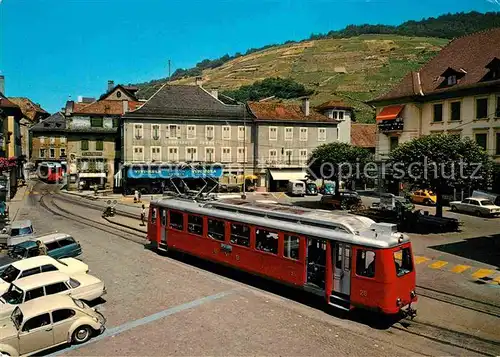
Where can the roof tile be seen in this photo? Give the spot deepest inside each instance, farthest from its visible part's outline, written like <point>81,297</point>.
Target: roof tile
<point>284,111</point>
<point>364,135</point>
<point>29,109</point>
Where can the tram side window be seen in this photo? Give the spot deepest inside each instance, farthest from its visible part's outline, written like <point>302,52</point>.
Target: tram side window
<point>240,234</point>
<point>163,216</point>
<point>266,241</point>
<point>176,220</point>
<point>365,263</point>
<point>153,215</point>
<point>292,247</point>
<point>195,225</point>
<point>403,261</point>
<point>216,229</point>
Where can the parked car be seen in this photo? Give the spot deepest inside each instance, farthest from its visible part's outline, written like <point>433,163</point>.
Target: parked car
<point>80,286</point>
<point>59,245</point>
<point>48,322</point>
<point>296,188</point>
<point>36,265</point>
<point>477,206</point>
<point>423,197</point>
<point>311,189</point>
<point>344,200</point>
<point>17,232</point>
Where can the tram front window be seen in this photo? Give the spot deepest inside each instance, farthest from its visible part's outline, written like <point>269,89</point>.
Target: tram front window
<point>403,261</point>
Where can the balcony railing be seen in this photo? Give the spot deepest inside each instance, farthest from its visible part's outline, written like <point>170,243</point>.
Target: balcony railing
<point>391,125</point>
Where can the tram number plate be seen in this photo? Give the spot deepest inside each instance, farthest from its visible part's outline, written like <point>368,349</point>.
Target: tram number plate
<point>226,248</point>
<point>363,293</point>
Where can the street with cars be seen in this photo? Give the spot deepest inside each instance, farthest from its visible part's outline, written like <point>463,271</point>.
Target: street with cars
<point>156,304</point>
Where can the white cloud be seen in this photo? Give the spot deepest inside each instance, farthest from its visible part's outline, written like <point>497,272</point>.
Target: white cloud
<point>495,2</point>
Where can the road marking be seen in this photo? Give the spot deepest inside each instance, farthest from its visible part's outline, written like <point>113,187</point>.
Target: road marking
<point>459,268</point>
<point>419,260</point>
<point>147,319</point>
<point>482,273</point>
<point>437,265</point>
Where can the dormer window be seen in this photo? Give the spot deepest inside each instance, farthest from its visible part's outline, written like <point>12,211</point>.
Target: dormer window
<point>494,70</point>
<point>451,76</point>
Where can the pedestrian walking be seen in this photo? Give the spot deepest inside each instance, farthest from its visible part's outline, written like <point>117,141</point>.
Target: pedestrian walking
<point>136,196</point>
<point>42,248</point>
<point>143,215</point>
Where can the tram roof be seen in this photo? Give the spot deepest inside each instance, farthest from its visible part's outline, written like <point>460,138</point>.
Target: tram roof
<point>343,228</point>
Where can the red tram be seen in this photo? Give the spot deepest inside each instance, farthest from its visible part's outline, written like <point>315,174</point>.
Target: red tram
<point>50,172</point>
<point>349,260</point>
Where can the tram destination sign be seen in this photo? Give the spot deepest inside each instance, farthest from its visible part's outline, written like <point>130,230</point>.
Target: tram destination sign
<point>174,172</point>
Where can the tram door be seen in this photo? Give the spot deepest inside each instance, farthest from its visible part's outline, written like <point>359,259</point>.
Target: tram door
<point>163,225</point>
<point>316,262</point>
<point>342,268</point>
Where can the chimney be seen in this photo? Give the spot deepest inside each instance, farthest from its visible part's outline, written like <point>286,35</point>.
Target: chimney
<point>305,106</point>
<point>2,84</point>
<point>215,93</point>
<point>198,81</point>
<point>111,85</point>
<point>69,107</point>
<point>125,106</point>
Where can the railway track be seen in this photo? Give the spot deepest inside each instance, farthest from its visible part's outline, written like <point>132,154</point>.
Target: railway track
<point>453,338</point>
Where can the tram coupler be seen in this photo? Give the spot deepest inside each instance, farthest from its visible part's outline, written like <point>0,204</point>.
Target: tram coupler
<point>409,312</point>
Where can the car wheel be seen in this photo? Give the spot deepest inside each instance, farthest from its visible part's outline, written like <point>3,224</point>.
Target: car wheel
<point>82,334</point>
<point>479,214</point>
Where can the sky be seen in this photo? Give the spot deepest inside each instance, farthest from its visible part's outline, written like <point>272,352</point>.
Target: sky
<point>53,49</point>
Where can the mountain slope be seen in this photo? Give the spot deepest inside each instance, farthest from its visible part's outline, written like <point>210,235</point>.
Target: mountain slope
<point>354,69</point>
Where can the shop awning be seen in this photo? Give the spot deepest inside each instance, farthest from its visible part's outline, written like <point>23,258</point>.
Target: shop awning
<point>288,175</point>
<point>92,174</point>
<point>390,113</point>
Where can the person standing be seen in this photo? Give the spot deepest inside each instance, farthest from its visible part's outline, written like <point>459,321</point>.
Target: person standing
<point>42,248</point>
<point>143,215</point>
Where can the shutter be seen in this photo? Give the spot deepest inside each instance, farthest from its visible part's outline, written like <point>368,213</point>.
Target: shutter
<point>167,131</point>
<point>178,131</point>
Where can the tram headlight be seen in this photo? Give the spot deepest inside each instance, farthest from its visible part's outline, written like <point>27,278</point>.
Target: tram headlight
<point>398,302</point>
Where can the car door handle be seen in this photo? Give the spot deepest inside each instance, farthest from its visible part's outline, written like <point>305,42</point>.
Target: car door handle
<point>49,329</point>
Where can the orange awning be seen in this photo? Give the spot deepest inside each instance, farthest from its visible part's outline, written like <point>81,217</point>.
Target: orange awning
<point>390,113</point>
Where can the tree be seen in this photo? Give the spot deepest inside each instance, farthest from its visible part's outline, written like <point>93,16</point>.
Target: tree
<point>338,160</point>
<point>438,162</point>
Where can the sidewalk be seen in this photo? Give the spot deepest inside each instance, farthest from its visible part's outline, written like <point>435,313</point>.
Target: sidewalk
<point>17,202</point>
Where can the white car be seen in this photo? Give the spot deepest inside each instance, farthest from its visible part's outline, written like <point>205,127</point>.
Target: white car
<point>36,265</point>
<point>81,286</point>
<point>477,206</point>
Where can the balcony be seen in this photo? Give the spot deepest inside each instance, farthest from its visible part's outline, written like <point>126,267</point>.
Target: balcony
<point>392,125</point>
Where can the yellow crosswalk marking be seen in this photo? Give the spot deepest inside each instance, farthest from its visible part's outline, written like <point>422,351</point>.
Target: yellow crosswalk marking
<point>419,260</point>
<point>438,264</point>
<point>459,268</point>
<point>481,273</point>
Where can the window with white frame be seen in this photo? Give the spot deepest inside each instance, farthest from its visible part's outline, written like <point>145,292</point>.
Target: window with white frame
<point>62,139</point>
<point>191,131</point>
<point>99,165</point>
<point>288,133</point>
<point>210,154</point>
<point>138,153</point>
<point>42,153</point>
<point>84,165</point>
<point>321,134</point>
<point>192,154</point>
<point>52,140</point>
<point>335,114</point>
<point>241,133</point>
<point>173,131</point>
<point>303,134</point>
<point>226,132</point>
<point>52,153</point>
<point>173,153</point>
<point>42,139</point>
<point>226,154</point>
<point>273,155</point>
<point>341,115</point>
<point>155,153</point>
<point>155,132</point>
<point>241,157</point>
<point>273,133</point>
<point>138,131</point>
<point>209,132</point>
<point>303,155</point>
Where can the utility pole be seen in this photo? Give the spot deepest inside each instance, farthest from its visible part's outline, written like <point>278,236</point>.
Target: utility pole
<point>168,71</point>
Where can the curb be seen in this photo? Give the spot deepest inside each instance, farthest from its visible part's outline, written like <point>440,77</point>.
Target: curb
<point>124,225</point>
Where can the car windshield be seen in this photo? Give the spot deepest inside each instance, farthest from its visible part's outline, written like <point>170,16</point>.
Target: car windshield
<point>19,251</point>
<point>20,231</point>
<point>311,185</point>
<point>17,317</point>
<point>10,274</point>
<point>13,295</point>
<point>486,203</point>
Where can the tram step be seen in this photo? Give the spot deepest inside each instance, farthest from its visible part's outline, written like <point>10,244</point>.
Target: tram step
<point>340,301</point>
<point>339,306</point>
